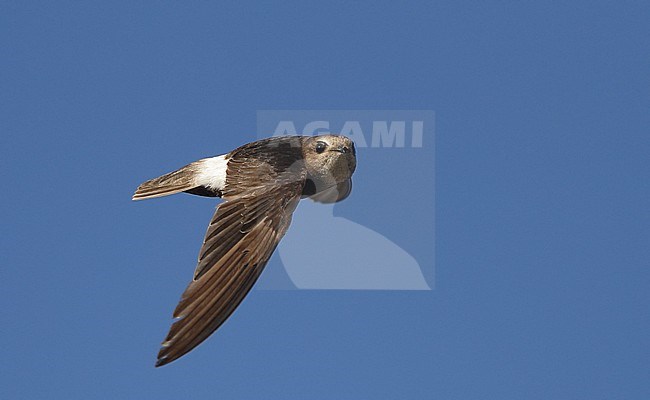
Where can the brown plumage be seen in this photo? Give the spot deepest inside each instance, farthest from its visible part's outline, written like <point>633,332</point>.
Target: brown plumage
<point>261,184</point>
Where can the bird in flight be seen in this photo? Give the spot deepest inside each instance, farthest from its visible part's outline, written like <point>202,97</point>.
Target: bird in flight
<point>261,184</point>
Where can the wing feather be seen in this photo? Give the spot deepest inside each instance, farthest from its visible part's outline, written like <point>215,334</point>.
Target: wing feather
<point>260,197</point>
<point>210,299</point>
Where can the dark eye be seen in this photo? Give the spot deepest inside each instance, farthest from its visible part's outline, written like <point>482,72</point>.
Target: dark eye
<point>320,146</point>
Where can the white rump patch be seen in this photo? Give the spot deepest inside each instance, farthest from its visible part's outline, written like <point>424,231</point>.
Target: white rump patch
<point>212,172</point>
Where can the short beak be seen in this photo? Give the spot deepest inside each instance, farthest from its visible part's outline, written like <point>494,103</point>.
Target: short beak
<point>342,149</point>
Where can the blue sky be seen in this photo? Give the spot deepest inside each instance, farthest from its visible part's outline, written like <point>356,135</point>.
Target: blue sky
<point>540,272</point>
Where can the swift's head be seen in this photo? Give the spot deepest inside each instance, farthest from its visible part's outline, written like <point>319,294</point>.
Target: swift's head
<point>330,159</point>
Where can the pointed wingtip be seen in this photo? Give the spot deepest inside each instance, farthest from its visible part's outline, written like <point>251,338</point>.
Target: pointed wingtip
<point>162,360</point>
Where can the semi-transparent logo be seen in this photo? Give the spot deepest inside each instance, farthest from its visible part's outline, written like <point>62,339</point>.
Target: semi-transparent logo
<point>382,236</point>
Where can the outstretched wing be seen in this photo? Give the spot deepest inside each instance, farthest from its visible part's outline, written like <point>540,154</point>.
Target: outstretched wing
<point>260,195</point>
